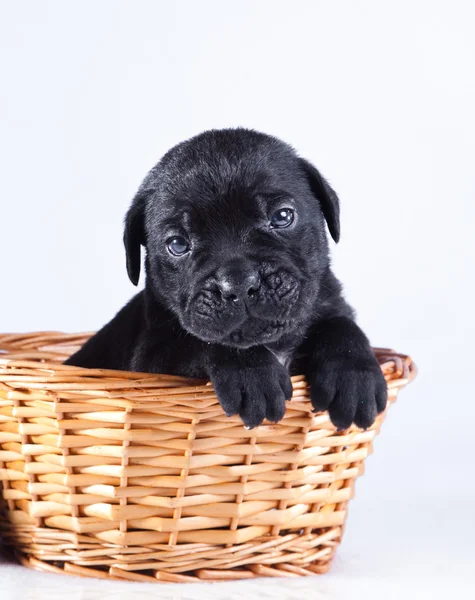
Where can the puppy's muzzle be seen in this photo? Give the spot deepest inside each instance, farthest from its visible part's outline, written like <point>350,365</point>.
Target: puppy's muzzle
<point>242,303</point>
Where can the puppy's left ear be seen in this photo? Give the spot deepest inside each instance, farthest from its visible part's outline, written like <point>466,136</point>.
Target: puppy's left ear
<point>325,195</point>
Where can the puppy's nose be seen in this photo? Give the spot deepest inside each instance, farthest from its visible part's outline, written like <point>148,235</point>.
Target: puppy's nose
<point>237,286</point>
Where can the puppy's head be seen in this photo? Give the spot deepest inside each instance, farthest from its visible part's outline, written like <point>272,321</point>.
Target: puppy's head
<point>233,223</point>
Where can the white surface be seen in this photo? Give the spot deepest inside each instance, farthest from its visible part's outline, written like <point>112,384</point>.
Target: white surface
<point>380,96</point>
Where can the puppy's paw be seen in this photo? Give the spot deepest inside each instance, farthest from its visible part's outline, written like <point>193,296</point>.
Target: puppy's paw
<point>352,389</point>
<point>254,393</point>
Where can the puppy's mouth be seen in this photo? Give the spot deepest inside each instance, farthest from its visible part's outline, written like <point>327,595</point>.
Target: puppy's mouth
<point>251,332</point>
<point>255,332</point>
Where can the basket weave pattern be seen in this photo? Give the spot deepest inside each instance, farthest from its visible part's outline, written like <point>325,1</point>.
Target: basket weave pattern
<point>142,477</point>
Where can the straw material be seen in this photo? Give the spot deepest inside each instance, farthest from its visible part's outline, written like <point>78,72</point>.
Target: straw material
<point>142,477</point>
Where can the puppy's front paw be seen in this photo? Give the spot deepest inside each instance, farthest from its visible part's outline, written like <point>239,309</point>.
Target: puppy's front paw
<point>254,393</point>
<point>352,389</point>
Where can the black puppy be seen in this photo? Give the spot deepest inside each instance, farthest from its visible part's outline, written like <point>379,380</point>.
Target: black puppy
<point>238,283</point>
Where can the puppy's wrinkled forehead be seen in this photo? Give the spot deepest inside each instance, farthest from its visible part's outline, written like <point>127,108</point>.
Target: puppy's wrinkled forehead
<point>224,172</point>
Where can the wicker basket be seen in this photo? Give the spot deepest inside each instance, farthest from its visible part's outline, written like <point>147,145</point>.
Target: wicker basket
<point>142,477</point>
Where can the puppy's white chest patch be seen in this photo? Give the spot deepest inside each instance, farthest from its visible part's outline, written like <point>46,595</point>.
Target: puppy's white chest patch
<point>283,357</point>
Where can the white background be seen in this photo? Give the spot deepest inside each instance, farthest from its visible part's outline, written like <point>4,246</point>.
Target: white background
<point>381,96</point>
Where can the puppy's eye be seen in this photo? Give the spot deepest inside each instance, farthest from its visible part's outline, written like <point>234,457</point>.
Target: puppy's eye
<point>282,218</point>
<point>178,245</point>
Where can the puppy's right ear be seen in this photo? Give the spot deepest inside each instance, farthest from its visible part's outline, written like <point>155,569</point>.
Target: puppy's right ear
<point>134,230</point>
<point>134,235</point>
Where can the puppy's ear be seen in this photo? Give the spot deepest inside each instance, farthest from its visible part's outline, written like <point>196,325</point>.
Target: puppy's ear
<point>134,230</point>
<point>326,196</point>
<point>134,235</point>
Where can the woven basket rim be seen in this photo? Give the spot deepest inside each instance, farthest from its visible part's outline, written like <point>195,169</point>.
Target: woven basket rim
<point>403,367</point>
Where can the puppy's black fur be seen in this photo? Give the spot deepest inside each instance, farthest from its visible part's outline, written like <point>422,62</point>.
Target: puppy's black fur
<point>239,287</point>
